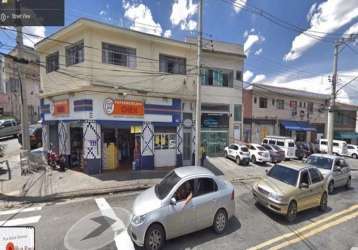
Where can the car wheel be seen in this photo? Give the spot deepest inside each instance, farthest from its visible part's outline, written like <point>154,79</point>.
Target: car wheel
<point>238,160</point>
<point>253,159</point>
<point>324,202</point>
<point>348,184</point>
<point>355,156</point>
<point>154,238</point>
<point>220,221</point>
<point>291,211</point>
<point>331,187</point>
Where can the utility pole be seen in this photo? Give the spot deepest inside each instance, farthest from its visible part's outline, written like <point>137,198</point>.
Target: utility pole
<point>198,87</point>
<point>331,109</point>
<point>22,83</point>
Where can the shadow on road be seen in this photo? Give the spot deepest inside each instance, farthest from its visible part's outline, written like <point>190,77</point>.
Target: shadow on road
<point>212,168</point>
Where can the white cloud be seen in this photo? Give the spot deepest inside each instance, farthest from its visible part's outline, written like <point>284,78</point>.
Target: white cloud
<point>102,13</point>
<point>352,30</point>
<point>248,75</point>
<point>246,33</point>
<point>167,33</point>
<point>312,10</point>
<point>38,34</point>
<point>182,12</point>
<point>258,52</point>
<point>258,78</point>
<point>327,18</point>
<point>250,41</point>
<point>142,18</point>
<point>237,5</point>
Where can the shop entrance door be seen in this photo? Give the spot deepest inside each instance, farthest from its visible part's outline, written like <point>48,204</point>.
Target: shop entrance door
<point>126,145</point>
<point>187,148</point>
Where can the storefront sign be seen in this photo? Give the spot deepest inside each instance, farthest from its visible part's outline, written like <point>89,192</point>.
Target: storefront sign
<point>17,238</point>
<point>61,108</point>
<point>123,107</point>
<point>214,120</point>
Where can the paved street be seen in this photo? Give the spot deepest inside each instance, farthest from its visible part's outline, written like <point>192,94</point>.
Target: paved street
<point>59,224</point>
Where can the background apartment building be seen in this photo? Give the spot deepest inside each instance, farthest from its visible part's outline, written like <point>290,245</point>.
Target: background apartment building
<point>115,97</point>
<point>345,123</point>
<point>10,96</point>
<point>286,112</point>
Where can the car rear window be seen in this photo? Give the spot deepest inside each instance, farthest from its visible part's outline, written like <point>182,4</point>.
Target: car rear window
<point>284,174</point>
<point>280,143</point>
<point>276,147</point>
<point>291,144</point>
<point>272,142</point>
<point>320,162</point>
<point>261,148</point>
<point>266,146</point>
<point>244,149</point>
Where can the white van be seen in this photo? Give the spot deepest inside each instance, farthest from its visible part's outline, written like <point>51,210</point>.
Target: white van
<point>339,147</point>
<point>285,143</point>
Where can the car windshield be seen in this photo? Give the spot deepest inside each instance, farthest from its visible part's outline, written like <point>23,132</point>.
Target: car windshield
<point>320,162</point>
<point>267,147</point>
<point>261,148</point>
<point>284,174</point>
<point>276,147</point>
<point>163,188</point>
<point>244,149</point>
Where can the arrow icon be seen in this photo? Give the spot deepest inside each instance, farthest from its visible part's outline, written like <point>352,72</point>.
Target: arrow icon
<point>104,222</point>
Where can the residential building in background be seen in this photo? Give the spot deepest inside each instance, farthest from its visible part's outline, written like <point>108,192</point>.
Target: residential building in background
<point>121,99</point>
<point>10,96</point>
<point>345,123</point>
<point>286,112</point>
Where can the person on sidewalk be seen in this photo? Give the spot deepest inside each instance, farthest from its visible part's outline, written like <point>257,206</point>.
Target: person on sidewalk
<point>202,154</point>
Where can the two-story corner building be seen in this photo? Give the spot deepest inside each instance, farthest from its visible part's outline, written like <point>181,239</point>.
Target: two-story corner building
<point>345,123</point>
<point>10,96</point>
<point>118,98</point>
<point>286,112</point>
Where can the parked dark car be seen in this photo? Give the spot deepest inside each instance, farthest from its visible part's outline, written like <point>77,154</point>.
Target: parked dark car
<point>35,132</point>
<point>276,153</point>
<point>302,150</point>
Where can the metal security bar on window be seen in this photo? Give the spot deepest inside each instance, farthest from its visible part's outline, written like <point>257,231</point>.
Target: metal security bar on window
<point>75,54</point>
<point>52,63</point>
<point>118,55</point>
<point>171,64</point>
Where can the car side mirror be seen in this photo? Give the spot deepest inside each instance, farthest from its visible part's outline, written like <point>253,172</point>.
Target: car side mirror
<point>337,169</point>
<point>304,185</point>
<point>173,201</point>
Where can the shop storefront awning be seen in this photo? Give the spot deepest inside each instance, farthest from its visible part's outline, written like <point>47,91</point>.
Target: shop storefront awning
<point>298,126</point>
<point>346,135</point>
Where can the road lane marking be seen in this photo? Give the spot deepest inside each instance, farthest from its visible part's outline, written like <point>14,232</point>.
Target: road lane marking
<point>21,221</point>
<point>122,240</point>
<point>306,235</point>
<point>307,227</point>
<point>20,210</point>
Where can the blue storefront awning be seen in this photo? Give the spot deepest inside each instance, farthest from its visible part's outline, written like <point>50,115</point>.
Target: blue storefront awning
<point>298,126</point>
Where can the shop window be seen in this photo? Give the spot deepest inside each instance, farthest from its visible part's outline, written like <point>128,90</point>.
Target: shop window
<point>165,141</point>
<point>75,53</point>
<point>237,112</point>
<point>118,55</point>
<point>171,64</point>
<point>263,102</point>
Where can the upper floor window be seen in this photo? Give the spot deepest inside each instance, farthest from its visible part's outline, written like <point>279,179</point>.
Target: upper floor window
<point>118,55</point>
<point>237,112</point>
<point>263,102</point>
<point>75,53</point>
<point>310,107</point>
<point>280,104</point>
<point>217,77</point>
<point>239,76</point>
<point>52,63</point>
<point>171,64</point>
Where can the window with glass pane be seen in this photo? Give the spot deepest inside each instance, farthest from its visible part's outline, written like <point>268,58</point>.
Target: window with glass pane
<point>280,104</point>
<point>263,102</point>
<point>237,112</point>
<point>164,141</point>
<point>52,62</point>
<point>75,53</point>
<point>118,55</point>
<point>171,64</point>
<point>217,77</point>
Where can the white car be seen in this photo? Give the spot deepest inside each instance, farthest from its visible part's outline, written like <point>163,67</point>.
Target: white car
<point>352,151</point>
<point>238,152</point>
<point>259,154</point>
<point>335,170</point>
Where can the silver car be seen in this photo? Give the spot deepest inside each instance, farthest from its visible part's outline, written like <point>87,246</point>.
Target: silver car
<point>334,168</point>
<point>188,199</point>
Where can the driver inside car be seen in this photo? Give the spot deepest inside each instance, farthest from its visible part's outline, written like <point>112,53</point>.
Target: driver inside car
<point>185,192</point>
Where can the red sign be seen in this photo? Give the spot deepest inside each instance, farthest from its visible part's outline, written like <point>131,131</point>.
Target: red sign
<point>61,107</point>
<point>123,107</point>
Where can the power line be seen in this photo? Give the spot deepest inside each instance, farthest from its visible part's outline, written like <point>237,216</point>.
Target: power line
<point>347,83</point>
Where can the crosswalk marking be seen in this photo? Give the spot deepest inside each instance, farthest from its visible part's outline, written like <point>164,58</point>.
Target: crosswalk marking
<point>20,210</point>
<point>122,240</point>
<point>21,221</point>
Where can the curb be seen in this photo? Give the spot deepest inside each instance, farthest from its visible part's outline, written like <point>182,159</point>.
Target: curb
<point>74,194</point>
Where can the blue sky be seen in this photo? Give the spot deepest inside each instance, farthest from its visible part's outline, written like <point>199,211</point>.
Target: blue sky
<point>274,54</point>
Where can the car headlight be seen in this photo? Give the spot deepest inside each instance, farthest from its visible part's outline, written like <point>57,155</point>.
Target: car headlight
<point>276,197</point>
<point>137,220</point>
